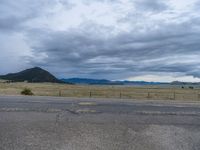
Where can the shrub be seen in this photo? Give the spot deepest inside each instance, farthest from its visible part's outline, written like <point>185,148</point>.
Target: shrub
<point>26,91</point>
<point>191,87</point>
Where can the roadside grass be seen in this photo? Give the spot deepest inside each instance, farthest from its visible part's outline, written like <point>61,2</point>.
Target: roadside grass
<point>108,91</point>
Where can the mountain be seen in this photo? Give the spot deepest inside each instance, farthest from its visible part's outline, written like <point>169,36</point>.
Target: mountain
<point>38,74</point>
<point>86,81</point>
<point>35,74</point>
<point>184,83</point>
<point>107,82</point>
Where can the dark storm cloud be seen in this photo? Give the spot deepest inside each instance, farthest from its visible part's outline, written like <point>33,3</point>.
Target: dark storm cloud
<point>93,53</point>
<point>148,37</point>
<point>15,14</point>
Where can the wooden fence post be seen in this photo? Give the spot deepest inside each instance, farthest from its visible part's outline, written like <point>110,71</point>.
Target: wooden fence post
<point>90,94</point>
<point>148,95</point>
<point>174,95</point>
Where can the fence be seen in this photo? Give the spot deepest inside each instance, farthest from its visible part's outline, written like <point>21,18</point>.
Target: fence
<point>116,92</point>
<point>149,94</point>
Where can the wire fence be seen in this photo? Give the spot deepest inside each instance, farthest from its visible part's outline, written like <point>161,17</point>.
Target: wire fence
<point>115,92</point>
<point>147,95</point>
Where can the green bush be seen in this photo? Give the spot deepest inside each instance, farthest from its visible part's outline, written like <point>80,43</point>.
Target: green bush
<point>26,91</point>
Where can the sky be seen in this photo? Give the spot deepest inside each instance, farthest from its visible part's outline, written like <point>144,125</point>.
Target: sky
<point>150,40</point>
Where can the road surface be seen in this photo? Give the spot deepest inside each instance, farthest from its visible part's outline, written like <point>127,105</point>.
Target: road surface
<point>50,123</point>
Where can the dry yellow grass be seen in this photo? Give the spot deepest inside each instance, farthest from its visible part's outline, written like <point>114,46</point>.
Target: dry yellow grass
<point>144,92</point>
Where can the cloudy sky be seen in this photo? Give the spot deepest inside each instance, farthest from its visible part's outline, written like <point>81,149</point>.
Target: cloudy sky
<point>152,40</point>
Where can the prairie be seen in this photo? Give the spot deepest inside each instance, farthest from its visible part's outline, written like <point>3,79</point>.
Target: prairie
<point>107,91</point>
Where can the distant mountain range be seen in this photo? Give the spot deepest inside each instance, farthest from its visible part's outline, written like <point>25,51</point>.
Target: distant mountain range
<point>86,81</point>
<point>36,74</point>
<point>107,82</point>
<point>184,83</point>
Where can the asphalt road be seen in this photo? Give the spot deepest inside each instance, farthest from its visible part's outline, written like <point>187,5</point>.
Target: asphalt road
<point>49,123</point>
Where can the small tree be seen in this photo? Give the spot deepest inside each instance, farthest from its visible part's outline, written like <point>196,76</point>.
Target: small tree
<point>27,91</point>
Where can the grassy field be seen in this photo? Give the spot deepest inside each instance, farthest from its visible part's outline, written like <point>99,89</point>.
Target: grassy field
<point>123,92</point>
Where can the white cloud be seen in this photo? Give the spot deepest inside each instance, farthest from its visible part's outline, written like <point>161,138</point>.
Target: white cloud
<point>13,48</point>
<point>164,78</point>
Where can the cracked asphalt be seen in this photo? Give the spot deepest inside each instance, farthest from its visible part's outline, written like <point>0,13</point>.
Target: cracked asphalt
<point>52,123</point>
